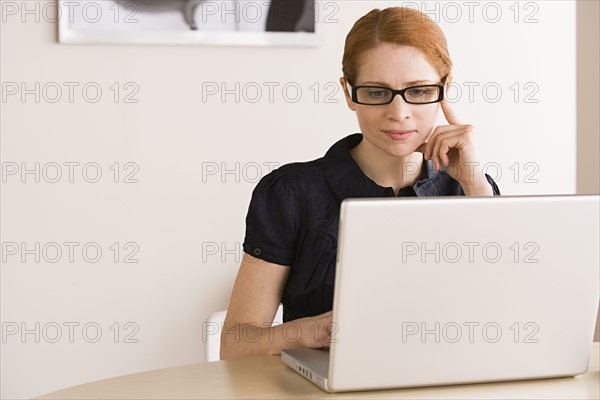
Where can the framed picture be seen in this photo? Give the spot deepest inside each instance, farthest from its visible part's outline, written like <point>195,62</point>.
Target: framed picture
<point>189,22</point>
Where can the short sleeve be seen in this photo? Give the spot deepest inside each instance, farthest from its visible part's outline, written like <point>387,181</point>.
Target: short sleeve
<point>273,220</point>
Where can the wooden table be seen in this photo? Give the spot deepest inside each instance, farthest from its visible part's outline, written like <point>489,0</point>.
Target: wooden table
<point>267,377</point>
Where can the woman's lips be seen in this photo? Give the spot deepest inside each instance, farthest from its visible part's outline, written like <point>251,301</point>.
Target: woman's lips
<point>399,135</point>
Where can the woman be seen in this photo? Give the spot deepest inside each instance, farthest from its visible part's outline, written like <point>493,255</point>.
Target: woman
<point>395,67</point>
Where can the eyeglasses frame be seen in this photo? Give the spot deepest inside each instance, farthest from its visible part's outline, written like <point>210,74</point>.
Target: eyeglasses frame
<point>394,93</point>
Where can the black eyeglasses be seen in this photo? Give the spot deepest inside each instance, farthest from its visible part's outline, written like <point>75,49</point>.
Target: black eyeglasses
<point>380,95</point>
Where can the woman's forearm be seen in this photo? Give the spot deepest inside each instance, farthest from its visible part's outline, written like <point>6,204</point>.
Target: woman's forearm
<point>243,340</point>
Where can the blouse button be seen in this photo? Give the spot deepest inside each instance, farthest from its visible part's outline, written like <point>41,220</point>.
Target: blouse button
<point>247,247</point>
<point>257,251</point>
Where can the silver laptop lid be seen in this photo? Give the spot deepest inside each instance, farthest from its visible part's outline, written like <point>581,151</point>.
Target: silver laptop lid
<point>455,290</point>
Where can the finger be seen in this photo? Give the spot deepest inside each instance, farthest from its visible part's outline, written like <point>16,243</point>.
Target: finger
<point>449,113</point>
<point>436,141</point>
<point>433,139</point>
<point>435,152</point>
<point>442,145</point>
<point>444,148</point>
<point>451,141</point>
<point>428,145</point>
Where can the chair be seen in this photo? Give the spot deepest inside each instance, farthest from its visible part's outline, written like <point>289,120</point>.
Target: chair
<point>211,333</point>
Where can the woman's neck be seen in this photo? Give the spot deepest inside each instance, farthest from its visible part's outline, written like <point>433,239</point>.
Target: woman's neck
<point>386,170</point>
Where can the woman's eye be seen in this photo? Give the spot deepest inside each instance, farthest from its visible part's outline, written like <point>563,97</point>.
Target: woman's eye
<point>377,93</point>
<point>418,92</point>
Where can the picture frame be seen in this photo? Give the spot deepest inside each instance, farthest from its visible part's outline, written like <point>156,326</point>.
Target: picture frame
<point>288,23</point>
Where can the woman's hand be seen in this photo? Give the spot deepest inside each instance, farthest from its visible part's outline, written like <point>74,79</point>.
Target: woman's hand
<point>315,331</point>
<point>453,147</point>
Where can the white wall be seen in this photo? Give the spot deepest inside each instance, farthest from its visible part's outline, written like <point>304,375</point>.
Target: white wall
<point>174,214</point>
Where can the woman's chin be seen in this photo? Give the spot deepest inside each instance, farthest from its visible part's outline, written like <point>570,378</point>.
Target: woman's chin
<point>403,150</point>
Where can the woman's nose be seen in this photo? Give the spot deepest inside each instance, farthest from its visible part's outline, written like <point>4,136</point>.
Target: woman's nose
<point>398,109</point>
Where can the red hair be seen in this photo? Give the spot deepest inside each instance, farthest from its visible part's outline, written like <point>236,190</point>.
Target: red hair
<point>397,25</point>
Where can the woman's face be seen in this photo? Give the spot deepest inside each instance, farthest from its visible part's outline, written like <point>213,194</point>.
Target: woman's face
<point>396,67</point>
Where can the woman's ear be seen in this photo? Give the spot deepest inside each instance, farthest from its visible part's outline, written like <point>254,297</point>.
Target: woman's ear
<point>346,89</point>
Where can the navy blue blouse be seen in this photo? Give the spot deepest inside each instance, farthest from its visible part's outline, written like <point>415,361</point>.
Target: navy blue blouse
<point>293,219</point>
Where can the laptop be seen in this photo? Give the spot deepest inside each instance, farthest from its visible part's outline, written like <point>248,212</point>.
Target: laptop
<point>455,290</point>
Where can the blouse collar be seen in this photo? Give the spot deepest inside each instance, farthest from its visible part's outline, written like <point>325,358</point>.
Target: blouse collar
<point>347,179</point>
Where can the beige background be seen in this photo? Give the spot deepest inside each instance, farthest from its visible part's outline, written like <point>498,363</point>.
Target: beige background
<point>588,103</point>
<point>189,227</point>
